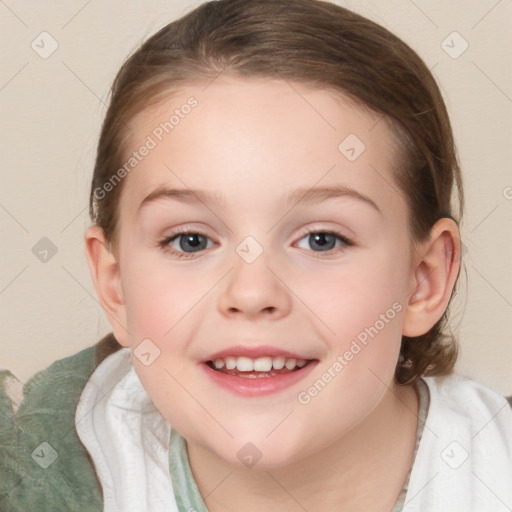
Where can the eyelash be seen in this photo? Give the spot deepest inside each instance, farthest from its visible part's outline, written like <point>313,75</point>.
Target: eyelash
<point>164,243</point>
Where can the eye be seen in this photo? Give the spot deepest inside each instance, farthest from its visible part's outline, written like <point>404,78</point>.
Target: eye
<point>186,243</point>
<point>323,241</point>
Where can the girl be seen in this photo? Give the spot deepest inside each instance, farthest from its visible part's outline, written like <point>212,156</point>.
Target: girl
<point>274,244</point>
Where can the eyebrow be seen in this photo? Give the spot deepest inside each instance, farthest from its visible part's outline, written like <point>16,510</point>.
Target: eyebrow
<point>321,193</point>
<point>299,195</point>
<point>186,195</point>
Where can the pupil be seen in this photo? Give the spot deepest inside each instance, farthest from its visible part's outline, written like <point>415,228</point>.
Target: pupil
<point>323,241</point>
<point>193,241</point>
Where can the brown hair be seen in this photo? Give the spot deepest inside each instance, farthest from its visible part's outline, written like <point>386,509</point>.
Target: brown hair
<point>322,45</point>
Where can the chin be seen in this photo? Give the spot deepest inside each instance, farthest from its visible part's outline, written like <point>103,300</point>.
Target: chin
<point>259,452</point>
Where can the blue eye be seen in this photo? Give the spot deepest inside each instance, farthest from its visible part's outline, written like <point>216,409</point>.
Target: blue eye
<point>323,241</point>
<point>192,242</point>
<point>186,243</point>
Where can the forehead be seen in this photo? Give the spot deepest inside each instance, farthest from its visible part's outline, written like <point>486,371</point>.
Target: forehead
<point>248,138</point>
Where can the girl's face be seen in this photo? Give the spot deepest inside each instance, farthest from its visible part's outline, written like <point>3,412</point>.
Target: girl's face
<point>262,220</point>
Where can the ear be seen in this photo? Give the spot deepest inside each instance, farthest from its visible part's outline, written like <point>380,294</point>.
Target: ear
<point>435,272</point>
<point>107,280</point>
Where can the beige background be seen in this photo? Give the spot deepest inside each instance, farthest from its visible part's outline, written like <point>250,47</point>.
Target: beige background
<point>51,114</point>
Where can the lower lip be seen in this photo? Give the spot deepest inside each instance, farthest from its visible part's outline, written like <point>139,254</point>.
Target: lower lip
<point>259,386</point>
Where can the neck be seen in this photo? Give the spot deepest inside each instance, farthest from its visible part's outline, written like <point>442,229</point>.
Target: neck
<point>364,470</point>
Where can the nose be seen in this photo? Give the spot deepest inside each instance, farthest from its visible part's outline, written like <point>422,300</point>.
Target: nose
<point>253,290</point>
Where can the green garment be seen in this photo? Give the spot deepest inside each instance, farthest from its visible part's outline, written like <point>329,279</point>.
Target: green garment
<point>43,465</point>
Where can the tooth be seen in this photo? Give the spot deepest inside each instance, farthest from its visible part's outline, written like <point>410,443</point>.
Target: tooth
<point>244,364</point>
<point>290,363</point>
<point>263,364</point>
<point>230,363</point>
<point>278,362</point>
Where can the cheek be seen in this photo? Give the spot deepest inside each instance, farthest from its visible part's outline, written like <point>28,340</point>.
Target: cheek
<point>361,311</point>
<point>157,298</point>
<point>355,296</point>
<point>160,308</point>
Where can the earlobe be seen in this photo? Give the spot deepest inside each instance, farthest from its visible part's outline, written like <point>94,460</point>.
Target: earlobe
<point>434,278</point>
<point>106,277</point>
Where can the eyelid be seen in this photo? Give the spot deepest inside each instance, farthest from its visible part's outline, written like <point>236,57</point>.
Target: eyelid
<point>185,230</point>
<point>348,239</point>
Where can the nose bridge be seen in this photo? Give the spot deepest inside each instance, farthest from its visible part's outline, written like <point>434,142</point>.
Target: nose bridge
<point>251,288</point>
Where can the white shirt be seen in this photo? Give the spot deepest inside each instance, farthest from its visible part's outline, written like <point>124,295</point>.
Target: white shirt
<point>463,463</point>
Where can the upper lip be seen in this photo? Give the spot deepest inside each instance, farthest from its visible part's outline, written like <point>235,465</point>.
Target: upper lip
<point>254,353</point>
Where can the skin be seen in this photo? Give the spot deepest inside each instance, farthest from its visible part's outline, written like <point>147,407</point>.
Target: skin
<point>253,142</point>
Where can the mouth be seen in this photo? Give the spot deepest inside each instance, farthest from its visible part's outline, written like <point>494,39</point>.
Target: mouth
<point>257,368</point>
<point>254,371</point>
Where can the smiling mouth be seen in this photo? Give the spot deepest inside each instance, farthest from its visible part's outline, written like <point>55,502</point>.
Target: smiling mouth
<point>263,367</point>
